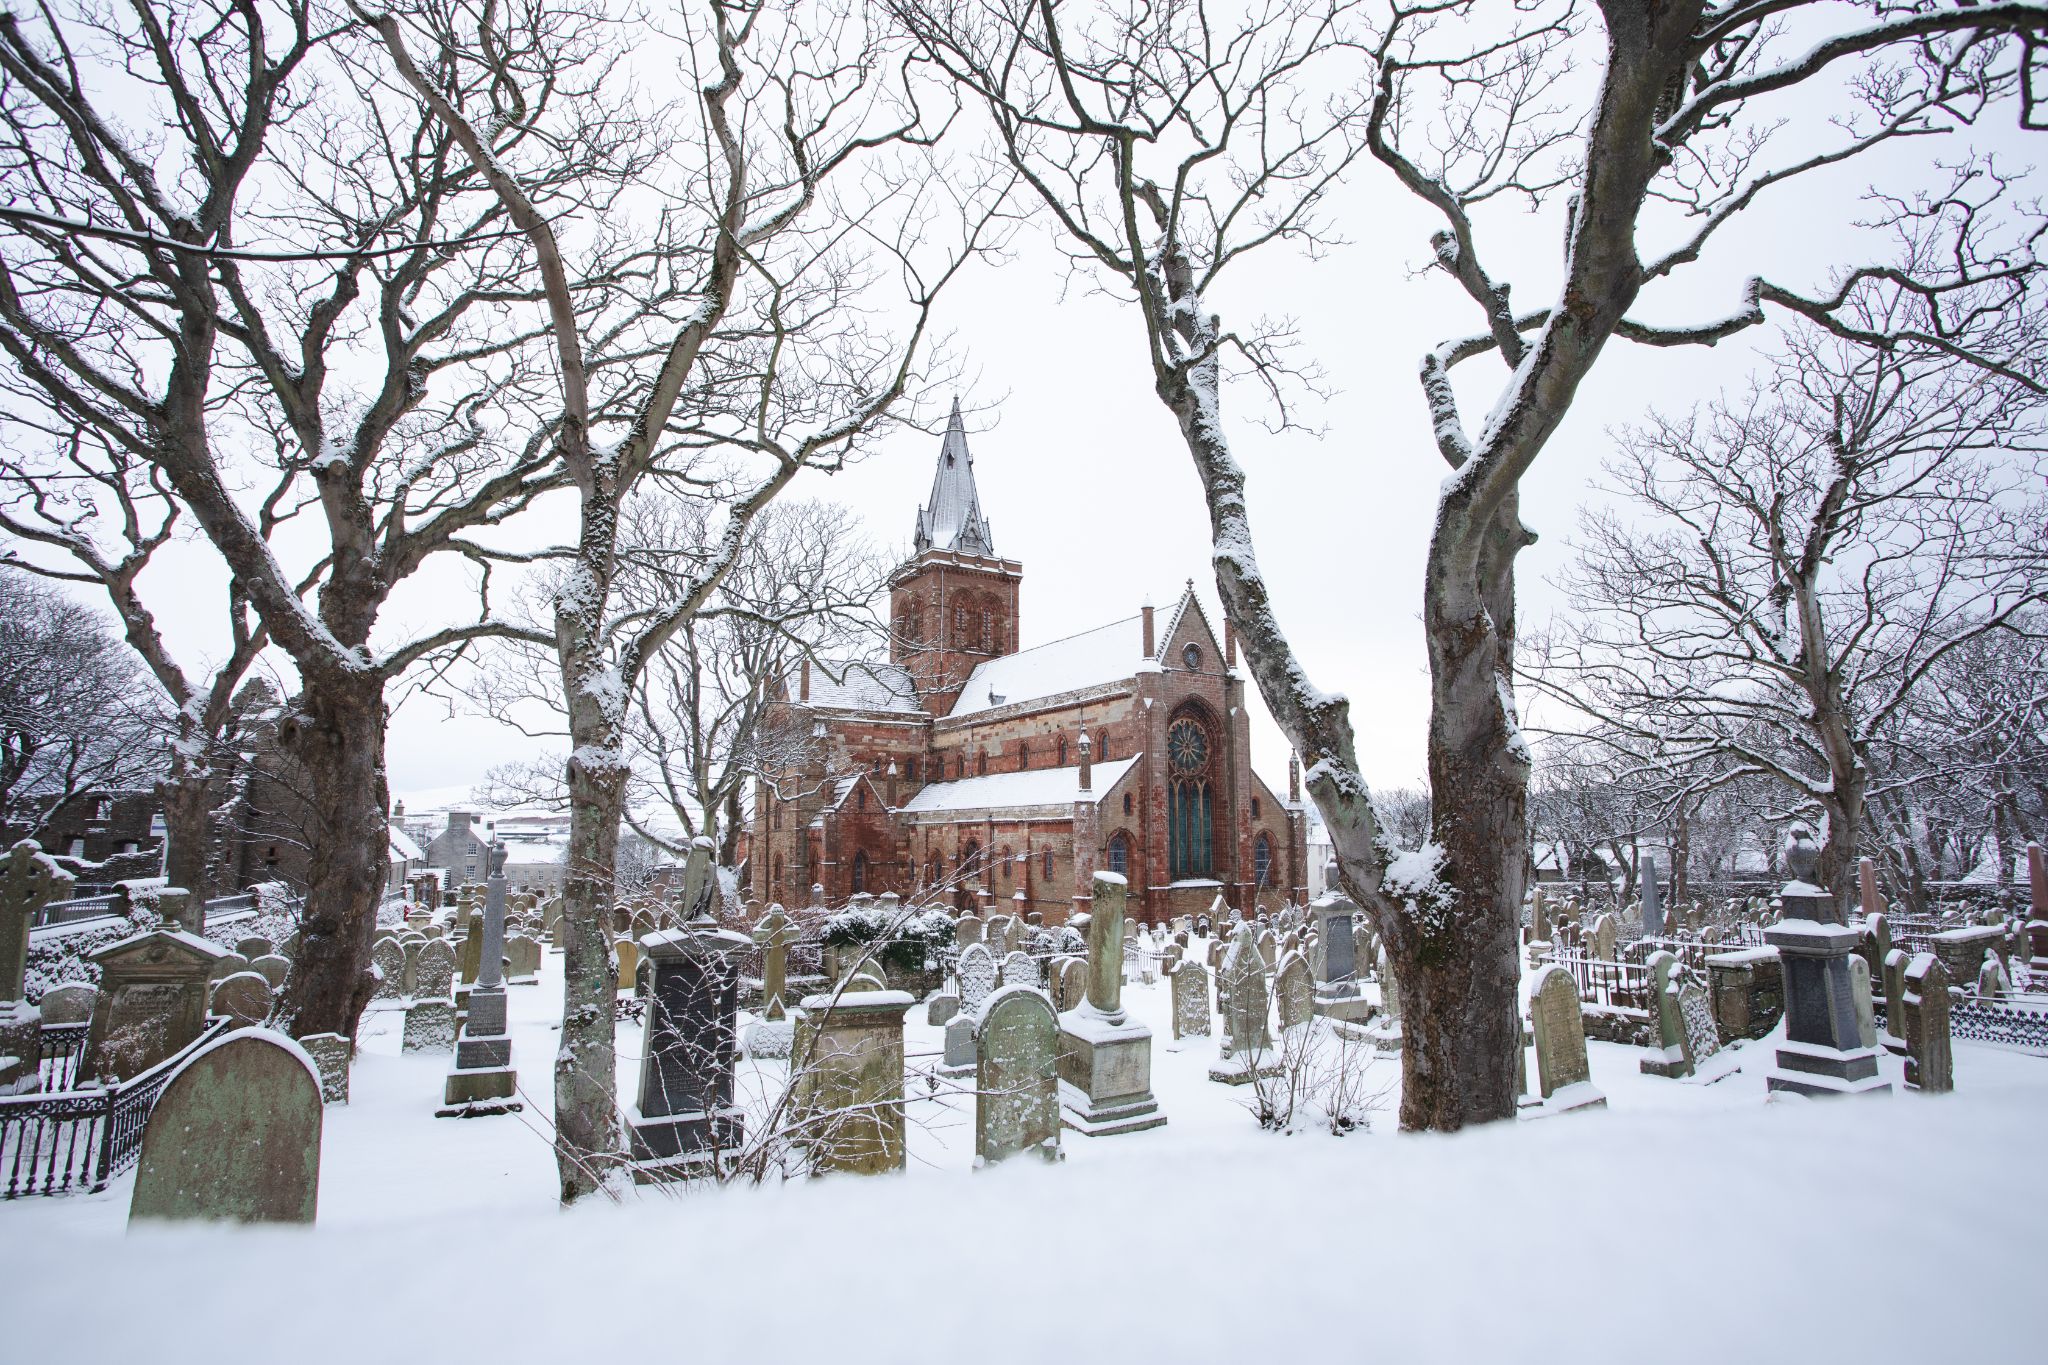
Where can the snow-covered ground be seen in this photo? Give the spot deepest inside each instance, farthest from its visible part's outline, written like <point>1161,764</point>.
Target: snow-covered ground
<point>1685,1222</point>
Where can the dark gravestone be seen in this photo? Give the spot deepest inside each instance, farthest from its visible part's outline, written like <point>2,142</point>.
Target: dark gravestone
<point>152,1002</point>
<point>235,1136</point>
<point>685,1114</point>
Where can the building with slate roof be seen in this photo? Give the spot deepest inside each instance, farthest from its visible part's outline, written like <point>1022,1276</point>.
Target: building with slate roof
<point>1008,776</point>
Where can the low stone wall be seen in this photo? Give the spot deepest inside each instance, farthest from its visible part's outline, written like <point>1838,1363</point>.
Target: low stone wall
<point>1619,1024</point>
<point>1747,992</point>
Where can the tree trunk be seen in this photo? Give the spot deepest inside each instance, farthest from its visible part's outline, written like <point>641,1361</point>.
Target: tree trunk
<point>187,797</point>
<point>1457,961</point>
<point>587,1134</point>
<point>335,729</point>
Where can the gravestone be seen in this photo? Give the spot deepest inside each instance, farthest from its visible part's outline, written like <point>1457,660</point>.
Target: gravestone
<point>234,1136</point>
<point>410,945</point>
<point>1190,1000</point>
<point>254,946</point>
<point>434,975</point>
<point>1673,1056</point>
<point>968,930</point>
<point>1019,969</point>
<point>940,1009</point>
<point>1824,1052</point>
<point>684,1117</point>
<point>958,1058</point>
<point>1335,960</point>
<point>388,957</point>
<point>1017,1098</point>
<point>152,1002</point>
<point>1603,938</point>
<point>628,954</point>
<point>522,960</point>
<point>977,973</point>
<point>29,880</point>
<point>1859,995</point>
<point>229,964</point>
<point>1895,963</point>
<point>331,1053</point>
<point>1992,984</point>
<point>1072,983</point>
<point>1246,1050</point>
<point>775,932</point>
<point>243,997</point>
<point>1539,916</point>
<point>429,1026</point>
<point>1929,1063</point>
<point>275,967</point>
<point>1294,991</point>
<point>483,1080</point>
<point>1269,951</point>
<point>850,1092</point>
<point>1653,901</point>
<point>1561,1068</point>
<point>70,1003</point>
<point>1697,1012</point>
<point>1106,1056</point>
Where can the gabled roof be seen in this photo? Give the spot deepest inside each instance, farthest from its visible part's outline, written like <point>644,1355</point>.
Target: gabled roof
<point>1105,654</point>
<point>860,687</point>
<point>1032,787</point>
<point>952,520</point>
<point>1163,639</point>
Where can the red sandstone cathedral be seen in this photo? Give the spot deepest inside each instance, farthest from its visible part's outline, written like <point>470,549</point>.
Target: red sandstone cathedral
<point>994,773</point>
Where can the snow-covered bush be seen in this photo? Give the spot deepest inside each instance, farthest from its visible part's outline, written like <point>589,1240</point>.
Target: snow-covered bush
<point>908,940</point>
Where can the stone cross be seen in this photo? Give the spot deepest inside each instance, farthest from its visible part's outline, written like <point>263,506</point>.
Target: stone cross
<point>775,932</point>
<point>29,880</point>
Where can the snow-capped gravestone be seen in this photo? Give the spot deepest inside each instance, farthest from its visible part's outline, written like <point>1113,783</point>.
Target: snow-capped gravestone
<point>229,964</point>
<point>958,1058</point>
<point>1020,970</point>
<point>70,1003</point>
<point>235,1136</point>
<point>1603,938</point>
<point>1190,1000</point>
<point>243,997</point>
<point>1294,991</point>
<point>1924,1012</point>
<point>331,1053</point>
<point>1824,1052</point>
<point>430,1016</point>
<point>254,946</point>
<point>850,1079</point>
<point>388,957</point>
<point>1673,1055</point>
<point>1892,1039</point>
<point>1562,1072</point>
<point>275,967</point>
<point>1070,982</point>
<point>522,960</point>
<point>1335,960</point>
<point>685,1116</point>
<point>484,1080</point>
<point>1105,1055</point>
<point>1696,1013</point>
<point>968,929</point>
<point>152,1002</point>
<point>1992,984</point>
<point>773,1035</point>
<point>1246,1050</point>
<point>1017,1098</point>
<point>977,973</point>
<point>940,1009</point>
<point>1860,996</point>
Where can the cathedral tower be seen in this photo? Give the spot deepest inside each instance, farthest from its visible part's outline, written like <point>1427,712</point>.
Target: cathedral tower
<point>953,603</point>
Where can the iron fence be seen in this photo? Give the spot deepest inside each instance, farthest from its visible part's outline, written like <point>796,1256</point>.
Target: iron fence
<point>60,1048</point>
<point>1613,985</point>
<point>82,1139</point>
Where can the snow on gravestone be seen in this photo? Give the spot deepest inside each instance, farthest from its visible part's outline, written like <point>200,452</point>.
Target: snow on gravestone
<point>1295,990</point>
<point>235,1135</point>
<point>70,1003</point>
<point>977,973</point>
<point>1697,1011</point>
<point>1560,1031</point>
<point>275,967</point>
<point>1017,1099</point>
<point>1190,1000</point>
<point>434,976</point>
<point>1019,970</point>
<point>243,997</point>
<point>389,959</point>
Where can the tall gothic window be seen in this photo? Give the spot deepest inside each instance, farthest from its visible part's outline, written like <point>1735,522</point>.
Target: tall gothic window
<point>1120,855</point>
<point>1190,815</point>
<point>988,630</point>
<point>960,627</point>
<point>860,873</point>
<point>1023,754</point>
<point>1262,860</point>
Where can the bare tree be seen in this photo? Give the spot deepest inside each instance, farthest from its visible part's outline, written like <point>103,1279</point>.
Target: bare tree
<point>273,293</point>
<point>1784,572</point>
<point>1165,143</point>
<point>760,347</point>
<point>74,717</point>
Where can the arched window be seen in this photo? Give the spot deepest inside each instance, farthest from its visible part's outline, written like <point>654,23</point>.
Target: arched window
<point>1262,860</point>
<point>1127,803</point>
<point>1255,808</point>
<point>776,871</point>
<point>1048,863</point>
<point>960,626</point>
<point>1120,855</point>
<point>1008,858</point>
<point>860,873</point>
<point>981,764</point>
<point>970,861</point>
<point>1062,752</point>
<point>860,799</point>
<point>1102,750</point>
<point>910,769</point>
<point>1023,754</point>
<point>1190,820</point>
<point>988,630</point>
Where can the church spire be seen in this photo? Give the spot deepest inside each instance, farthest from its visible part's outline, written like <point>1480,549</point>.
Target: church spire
<point>953,519</point>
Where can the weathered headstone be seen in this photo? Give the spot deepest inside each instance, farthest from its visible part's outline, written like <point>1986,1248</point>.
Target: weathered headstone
<point>483,1080</point>
<point>275,967</point>
<point>1673,1056</point>
<point>940,1009</point>
<point>388,957</point>
<point>234,1136</point>
<point>229,964</point>
<point>1335,960</point>
<point>254,946</point>
<point>243,997</point>
<point>331,1053</point>
<point>1019,969</point>
<point>1703,1039</point>
<point>1824,1052</point>
<point>1992,983</point>
<point>434,976</point>
<point>1017,1100</point>
<point>969,930</point>
<point>1246,1050</point>
<point>70,1003</point>
<point>775,932</point>
<point>152,1002</point>
<point>1190,1000</point>
<point>1294,991</point>
<point>958,1058</point>
<point>429,1026</point>
<point>1895,963</point>
<point>522,960</point>
<point>1929,1063</point>
<point>1562,1071</point>
<point>1603,938</point>
<point>850,1087</point>
<point>1859,996</point>
<point>977,973</point>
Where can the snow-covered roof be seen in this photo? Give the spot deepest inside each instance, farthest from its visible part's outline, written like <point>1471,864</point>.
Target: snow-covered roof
<point>952,520</point>
<point>403,849</point>
<point>1032,787</point>
<point>1106,654</point>
<point>860,687</point>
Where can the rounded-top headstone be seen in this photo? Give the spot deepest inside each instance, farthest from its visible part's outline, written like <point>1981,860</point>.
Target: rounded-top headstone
<point>227,966</point>
<point>275,968</point>
<point>70,1003</point>
<point>254,946</point>
<point>243,997</point>
<point>235,1135</point>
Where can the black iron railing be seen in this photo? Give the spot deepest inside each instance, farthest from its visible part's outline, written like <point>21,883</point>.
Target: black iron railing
<point>56,1142</point>
<point>60,1048</point>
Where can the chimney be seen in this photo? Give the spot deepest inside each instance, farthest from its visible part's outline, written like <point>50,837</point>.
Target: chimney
<point>1229,642</point>
<point>1087,766</point>
<point>1149,650</point>
<point>1294,777</point>
<point>804,686</point>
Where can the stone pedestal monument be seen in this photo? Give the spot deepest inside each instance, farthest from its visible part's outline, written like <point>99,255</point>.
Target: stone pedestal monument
<point>1823,1052</point>
<point>1337,995</point>
<point>484,1080</point>
<point>684,1116</point>
<point>1106,1056</point>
